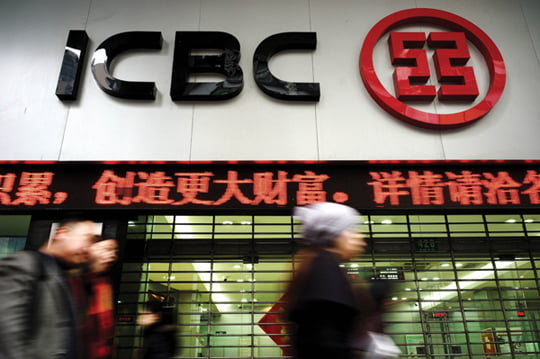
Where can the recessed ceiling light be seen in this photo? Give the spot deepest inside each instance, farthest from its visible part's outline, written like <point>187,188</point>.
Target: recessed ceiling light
<point>245,223</point>
<point>386,221</point>
<point>529,220</point>
<point>445,264</point>
<point>511,220</point>
<point>227,222</point>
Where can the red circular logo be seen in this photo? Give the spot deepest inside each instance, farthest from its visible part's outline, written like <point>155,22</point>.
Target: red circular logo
<point>397,108</point>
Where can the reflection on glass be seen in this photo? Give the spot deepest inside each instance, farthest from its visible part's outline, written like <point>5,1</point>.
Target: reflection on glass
<point>445,303</point>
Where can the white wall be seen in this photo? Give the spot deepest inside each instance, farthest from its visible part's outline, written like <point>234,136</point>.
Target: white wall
<point>346,124</point>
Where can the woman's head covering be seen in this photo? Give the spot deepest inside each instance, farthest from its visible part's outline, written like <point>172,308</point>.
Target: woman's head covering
<point>324,222</point>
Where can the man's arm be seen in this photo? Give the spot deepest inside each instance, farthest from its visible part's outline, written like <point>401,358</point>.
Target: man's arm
<point>18,276</point>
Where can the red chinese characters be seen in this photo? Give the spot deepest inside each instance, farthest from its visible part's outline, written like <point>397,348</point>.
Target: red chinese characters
<point>269,187</point>
<point>31,188</point>
<point>533,191</point>
<point>463,187</point>
<point>7,182</point>
<point>162,189</point>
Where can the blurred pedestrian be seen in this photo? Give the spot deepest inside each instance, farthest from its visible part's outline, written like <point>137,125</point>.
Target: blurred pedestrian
<point>369,339</point>
<point>159,331</point>
<point>93,295</point>
<point>38,314</point>
<point>321,303</point>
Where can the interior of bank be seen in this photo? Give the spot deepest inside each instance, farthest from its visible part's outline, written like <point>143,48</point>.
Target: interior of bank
<point>463,285</point>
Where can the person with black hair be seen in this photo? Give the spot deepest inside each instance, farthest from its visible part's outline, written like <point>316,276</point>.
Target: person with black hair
<point>39,319</point>
<point>159,331</point>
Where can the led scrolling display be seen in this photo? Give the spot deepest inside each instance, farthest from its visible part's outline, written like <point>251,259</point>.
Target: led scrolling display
<point>272,186</point>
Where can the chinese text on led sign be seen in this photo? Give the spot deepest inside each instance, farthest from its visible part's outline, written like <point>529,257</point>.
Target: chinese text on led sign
<point>279,188</point>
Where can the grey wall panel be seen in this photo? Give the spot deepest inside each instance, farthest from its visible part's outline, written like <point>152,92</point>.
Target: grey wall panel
<point>346,124</point>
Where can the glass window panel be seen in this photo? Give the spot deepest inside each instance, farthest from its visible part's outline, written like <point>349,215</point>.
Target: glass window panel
<point>162,219</point>
<point>531,217</point>
<point>502,229</point>
<point>275,231</point>
<point>162,229</point>
<point>468,229</point>
<point>429,282</point>
<point>234,220</point>
<point>272,286</point>
<point>481,301</point>
<point>193,219</point>
<point>472,278</point>
<point>485,318</point>
<point>532,226</point>
<point>516,264</point>
<point>389,228</point>
<point>427,219</point>
<point>216,296</point>
<point>158,267</point>
<point>439,305</point>
<point>197,230</point>
<point>404,294</point>
<point>429,234</point>
<point>438,295</point>
<point>503,218</point>
<point>406,287</point>
<point>273,219</point>
<point>239,285</point>
<point>465,218</point>
<point>428,228</point>
<point>533,303</point>
<point>388,220</point>
<point>399,331</point>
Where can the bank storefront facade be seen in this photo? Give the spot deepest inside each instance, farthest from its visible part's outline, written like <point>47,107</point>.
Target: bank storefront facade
<point>217,243</point>
<point>190,129</point>
<point>466,292</point>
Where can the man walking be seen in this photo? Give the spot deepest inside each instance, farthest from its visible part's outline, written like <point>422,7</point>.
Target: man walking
<point>39,319</point>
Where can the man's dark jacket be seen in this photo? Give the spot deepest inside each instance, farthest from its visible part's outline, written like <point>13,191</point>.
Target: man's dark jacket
<point>37,312</point>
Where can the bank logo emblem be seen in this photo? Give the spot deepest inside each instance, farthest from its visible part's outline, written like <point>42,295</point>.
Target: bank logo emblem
<point>452,79</point>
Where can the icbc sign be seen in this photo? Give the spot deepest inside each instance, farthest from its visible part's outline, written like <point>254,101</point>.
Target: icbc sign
<point>457,81</point>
